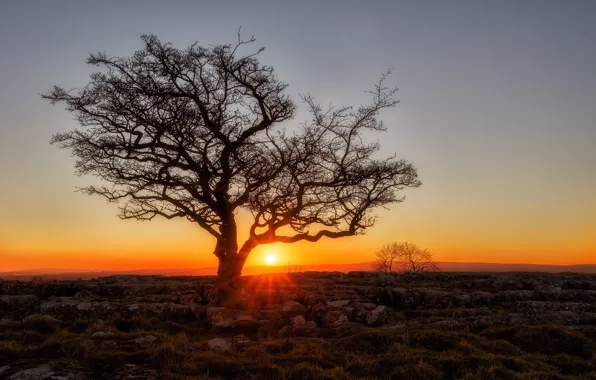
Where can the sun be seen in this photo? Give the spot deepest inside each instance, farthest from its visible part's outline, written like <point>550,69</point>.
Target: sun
<point>270,258</point>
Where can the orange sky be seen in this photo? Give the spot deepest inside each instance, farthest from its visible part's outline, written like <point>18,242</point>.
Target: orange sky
<point>99,240</point>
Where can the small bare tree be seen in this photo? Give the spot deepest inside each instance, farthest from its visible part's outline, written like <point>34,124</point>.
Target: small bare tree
<point>407,256</point>
<point>386,256</point>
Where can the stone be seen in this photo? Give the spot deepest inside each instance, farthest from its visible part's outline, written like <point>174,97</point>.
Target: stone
<point>334,318</point>
<point>102,335</point>
<point>42,318</point>
<point>338,303</point>
<point>292,309</point>
<point>317,312</point>
<point>381,315</point>
<point>221,317</point>
<point>361,310</point>
<point>241,342</point>
<point>481,298</point>
<point>246,323</point>
<point>304,330</point>
<point>298,320</point>
<point>84,306</point>
<point>37,373</point>
<point>146,341</point>
<point>269,315</point>
<point>59,305</point>
<point>219,344</point>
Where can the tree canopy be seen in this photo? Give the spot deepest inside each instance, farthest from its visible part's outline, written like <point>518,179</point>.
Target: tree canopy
<point>197,133</point>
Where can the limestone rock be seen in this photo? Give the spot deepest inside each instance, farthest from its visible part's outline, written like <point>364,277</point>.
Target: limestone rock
<point>102,335</point>
<point>219,344</point>
<point>334,318</point>
<point>221,317</point>
<point>36,373</point>
<point>381,315</point>
<point>241,342</point>
<point>292,309</point>
<point>298,320</point>
<point>146,341</point>
<point>338,303</point>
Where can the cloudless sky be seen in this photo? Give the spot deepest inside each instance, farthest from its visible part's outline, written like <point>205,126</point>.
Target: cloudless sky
<point>498,112</point>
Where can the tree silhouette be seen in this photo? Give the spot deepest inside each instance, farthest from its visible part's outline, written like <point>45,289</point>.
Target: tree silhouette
<point>386,257</point>
<point>191,133</point>
<point>407,256</point>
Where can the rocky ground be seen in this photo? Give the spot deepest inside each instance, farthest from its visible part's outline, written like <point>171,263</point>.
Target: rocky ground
<point>303,325</point>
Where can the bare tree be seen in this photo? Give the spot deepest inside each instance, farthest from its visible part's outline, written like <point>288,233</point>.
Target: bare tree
<point>386,256</point>
<point>407,256</point>
<point>192,133</point>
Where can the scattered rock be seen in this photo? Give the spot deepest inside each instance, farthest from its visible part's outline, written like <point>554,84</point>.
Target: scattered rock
<point>298,320</point>
<point>361,310</point>
<point>219,344</point>
<point>481,298</point>
<point>37,373</point>
<point>338,303</point>
<point>102,335</point>
<point>381,315</point>
<point>241,342</point>
<point>221,317</point>
<point>292,309</point>
<point>334,318</point>
<point>310,304</point>
<point>4,369</point>
<point>84,306</point>
<point>304,330</point>
<point>246,323</point>
<point>146,341</point>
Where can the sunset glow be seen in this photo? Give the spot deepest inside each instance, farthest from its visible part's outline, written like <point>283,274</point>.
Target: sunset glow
<point>271,258</point>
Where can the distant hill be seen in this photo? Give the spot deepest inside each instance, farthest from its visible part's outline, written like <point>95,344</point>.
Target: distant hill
<point>65,274</point>
<point>496,267</point>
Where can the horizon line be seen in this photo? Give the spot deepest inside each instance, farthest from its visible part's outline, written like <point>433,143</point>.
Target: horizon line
<point>87,270</point>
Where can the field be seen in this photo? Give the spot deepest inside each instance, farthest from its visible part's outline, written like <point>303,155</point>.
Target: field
<point>319,325</point>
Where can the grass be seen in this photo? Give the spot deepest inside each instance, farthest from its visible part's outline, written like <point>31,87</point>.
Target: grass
<point>416,352</point>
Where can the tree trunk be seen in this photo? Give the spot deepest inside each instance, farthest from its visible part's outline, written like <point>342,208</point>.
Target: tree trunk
<point>230,268</point>
<point>228,287</point>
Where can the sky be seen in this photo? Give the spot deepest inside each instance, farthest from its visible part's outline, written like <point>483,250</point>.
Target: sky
<point>497,111</point>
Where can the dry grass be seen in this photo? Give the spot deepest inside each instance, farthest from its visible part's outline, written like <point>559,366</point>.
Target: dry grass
<point>418,352</point>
